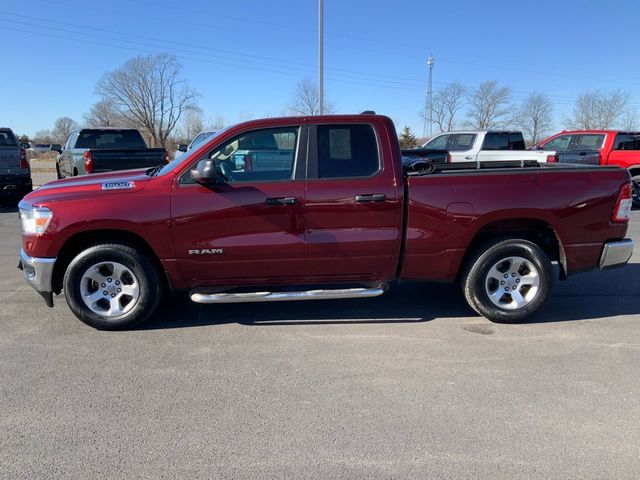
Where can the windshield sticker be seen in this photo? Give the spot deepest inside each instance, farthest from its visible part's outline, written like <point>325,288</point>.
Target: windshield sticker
<point>117,186</point>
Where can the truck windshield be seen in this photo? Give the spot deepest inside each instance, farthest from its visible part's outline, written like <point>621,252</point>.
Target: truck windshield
<point>110,139</point>
<point>186,156</point>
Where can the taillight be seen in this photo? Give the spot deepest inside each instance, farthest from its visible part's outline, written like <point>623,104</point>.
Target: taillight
<point>166,157</point>
<point>248,163</point>
<point>88,163</point>
<point>552,159</point>
<point>449,159</point>
<point>24,162</point>
<point>622,211</point>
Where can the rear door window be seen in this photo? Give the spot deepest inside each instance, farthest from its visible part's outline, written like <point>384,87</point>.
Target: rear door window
<point>7,140</point>
<point>347,151</point>
<point>587,141</point>
<point>496,141</point>
<point>627,141</point>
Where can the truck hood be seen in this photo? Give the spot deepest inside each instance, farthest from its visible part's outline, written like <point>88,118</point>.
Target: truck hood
<point>87,186</point>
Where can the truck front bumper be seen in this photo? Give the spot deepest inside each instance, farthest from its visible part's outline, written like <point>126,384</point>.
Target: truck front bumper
<point>38,272</point>
<point>616,253</point>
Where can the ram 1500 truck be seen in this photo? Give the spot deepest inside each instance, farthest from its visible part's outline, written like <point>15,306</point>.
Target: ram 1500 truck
<point>97,150</point>
<point>487,146</point>
<point>600,147</point>
<point>343,220</point>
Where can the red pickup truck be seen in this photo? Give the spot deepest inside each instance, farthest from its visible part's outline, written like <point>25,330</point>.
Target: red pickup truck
<point>337,217</point>
<point>600,147</point>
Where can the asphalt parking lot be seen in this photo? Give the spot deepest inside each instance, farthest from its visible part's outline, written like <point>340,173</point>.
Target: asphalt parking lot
<point>408,385</point>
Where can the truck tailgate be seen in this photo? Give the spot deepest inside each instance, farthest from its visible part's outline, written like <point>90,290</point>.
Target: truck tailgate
<point>579,157</point>
<point>107,160</point>
<point>9,159</point>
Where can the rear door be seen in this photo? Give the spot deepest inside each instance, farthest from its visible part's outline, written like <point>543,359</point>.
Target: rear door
<point>626,150</point>
<point>353,214</point>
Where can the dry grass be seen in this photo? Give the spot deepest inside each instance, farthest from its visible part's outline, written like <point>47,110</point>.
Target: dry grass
<point>43,163</point>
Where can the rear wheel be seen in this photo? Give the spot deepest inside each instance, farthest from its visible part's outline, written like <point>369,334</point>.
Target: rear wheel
<point>112,286</point>
<point>508,280</point>
<point>75,172</point>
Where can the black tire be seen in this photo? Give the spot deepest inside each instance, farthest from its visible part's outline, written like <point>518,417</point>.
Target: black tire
<point>145,274</point>
<point>526,259</point>
<point>636,191</point>
<point>58,171</point>
<point>75,172</point>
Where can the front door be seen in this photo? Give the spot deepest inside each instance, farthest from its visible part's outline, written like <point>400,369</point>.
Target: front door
<point>248,230</point>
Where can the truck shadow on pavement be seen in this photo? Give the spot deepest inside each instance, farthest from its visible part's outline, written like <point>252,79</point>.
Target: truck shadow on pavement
<point>409,302</point>
<point>587,296</point>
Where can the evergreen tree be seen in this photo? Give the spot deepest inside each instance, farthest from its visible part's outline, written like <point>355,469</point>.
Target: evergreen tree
<point>407,138</point>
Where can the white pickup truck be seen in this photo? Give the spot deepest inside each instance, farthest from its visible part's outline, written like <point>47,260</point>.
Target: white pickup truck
<point>487,146</point>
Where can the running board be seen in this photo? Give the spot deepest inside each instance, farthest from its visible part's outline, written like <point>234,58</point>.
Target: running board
<point>287,296</point>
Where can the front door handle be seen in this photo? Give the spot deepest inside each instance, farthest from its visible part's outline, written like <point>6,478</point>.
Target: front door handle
<point>281,201</point>
<point>378,197</point>
<point>468,157</point>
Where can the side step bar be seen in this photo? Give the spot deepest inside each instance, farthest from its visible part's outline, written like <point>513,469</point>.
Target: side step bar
<point>329,294</point>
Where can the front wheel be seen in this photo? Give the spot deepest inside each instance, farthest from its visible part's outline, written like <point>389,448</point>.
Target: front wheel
<point>508,280</point>
<point>112,286</point>
<point>58,173</point>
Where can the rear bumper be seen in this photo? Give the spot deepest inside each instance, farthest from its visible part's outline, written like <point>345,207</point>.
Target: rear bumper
<point>616,253</point>
<point>12,184</point>
<point>38,273</point>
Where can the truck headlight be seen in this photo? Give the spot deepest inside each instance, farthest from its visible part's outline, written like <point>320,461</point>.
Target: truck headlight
<point>34,220</point>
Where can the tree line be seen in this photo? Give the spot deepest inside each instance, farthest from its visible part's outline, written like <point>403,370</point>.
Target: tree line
<point>150,94</point>
<point>491,106</point>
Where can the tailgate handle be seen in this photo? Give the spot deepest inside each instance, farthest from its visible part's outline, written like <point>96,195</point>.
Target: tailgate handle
<point>378,197</point>
<point>281,201</point>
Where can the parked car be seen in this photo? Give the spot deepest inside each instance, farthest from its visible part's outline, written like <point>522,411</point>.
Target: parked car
<point>15,172</point>
<point>40,148</point>
<point>345,216</point>
<point>600,147</point>
<point>95,150</point>
<point>198,139</point>
<point>487,146</point>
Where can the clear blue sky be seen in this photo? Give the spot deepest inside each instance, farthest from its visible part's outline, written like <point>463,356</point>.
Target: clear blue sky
<point>246,57</point>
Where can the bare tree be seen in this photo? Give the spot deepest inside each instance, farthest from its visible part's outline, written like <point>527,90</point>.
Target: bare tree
<point>149,93</point>
<point>62,128</point>
<point>535,117</point>
<point>489,106</point>
<point>193,123</point>
<point>629,120</point>
<point>43,136</point>
<point>596,109</point>
<point>307,99</point>
<point>446,105</point>
<point>104,113</point>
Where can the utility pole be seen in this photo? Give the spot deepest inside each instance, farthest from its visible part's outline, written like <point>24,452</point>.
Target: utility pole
<point>321,56</point>
<point>430,63</point>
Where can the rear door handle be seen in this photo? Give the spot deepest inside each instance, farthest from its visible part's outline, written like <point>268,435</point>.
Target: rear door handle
<point>281,201</point>
<point>378,197</point>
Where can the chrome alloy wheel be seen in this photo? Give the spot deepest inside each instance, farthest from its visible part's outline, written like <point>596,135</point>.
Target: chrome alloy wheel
<point>109,289</point>
<point>512,283</point>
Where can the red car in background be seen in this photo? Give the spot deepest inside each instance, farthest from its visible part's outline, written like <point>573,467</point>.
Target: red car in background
<point>601,147</point>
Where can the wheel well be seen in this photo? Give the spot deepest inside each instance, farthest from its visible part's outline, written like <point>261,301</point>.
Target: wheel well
<point>76,244</point>
<point>536,231</point>
<point>634,171</point>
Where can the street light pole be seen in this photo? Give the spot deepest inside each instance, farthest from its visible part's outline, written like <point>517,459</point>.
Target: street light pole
<point>430,63</point>
<point>321,56</point>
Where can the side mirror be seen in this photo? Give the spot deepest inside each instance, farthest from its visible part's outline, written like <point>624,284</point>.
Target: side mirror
<point>56,148</point>
<point>182,147</point>
<point>205,173</point>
